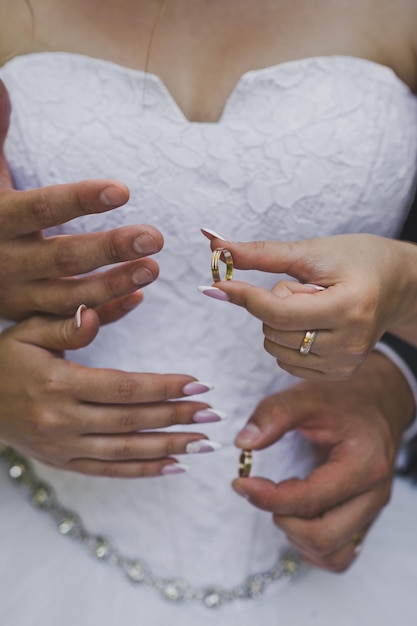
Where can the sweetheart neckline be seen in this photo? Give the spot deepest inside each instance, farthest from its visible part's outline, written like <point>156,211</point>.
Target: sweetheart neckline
<point>379,68</point>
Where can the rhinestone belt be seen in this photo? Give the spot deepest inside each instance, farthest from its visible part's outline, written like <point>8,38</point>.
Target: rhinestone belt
<point>137,571</point>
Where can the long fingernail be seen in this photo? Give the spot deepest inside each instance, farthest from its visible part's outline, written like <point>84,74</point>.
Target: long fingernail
<point>248,436</point>
<point>213,292</point>
<point>78,317</point>
<point>209,233</point>
<point>174,468</point>
<point>145,244</point>
<point>205,416</point>
<point>196,387</point>
<point>201,446</point>
<point>142,276</point>
<point>113,196</point>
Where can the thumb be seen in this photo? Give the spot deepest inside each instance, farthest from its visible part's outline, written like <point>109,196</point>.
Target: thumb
<point>272,418</point>
<point>59,334</point>
<point>5,110</point>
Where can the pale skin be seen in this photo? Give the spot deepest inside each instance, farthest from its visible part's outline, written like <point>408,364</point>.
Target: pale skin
<point>370,287</point>
<point>199,54</point>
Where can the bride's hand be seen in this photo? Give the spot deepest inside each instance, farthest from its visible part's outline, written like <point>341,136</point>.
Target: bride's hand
<point>42,275</point>
<point>357,425</point>
<point>371,286</point>
<point>90,420</point>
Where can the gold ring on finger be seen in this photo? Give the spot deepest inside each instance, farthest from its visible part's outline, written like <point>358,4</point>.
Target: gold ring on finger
<point>308,341</point>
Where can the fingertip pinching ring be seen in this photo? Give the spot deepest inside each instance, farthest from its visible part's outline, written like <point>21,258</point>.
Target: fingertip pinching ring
<point>225,255</point>
<point>245,463</point>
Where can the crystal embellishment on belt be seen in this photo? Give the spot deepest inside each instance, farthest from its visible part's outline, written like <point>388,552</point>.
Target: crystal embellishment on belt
<point>136,571</point>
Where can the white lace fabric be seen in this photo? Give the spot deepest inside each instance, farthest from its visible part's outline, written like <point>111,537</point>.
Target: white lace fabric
<point>303,149</point>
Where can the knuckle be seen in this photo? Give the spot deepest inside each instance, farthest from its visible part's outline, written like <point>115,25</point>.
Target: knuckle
<point>123,451</point>
<point>309,509</point>
<point>44,212</point>
<point>170,446</point>
<point>123,389</point>
<point>175,415</point>
<point>50,384</point>
<point>112,251</point>
<point>65,262</point>
<point>123,470</point>
<point>380,471</point>
<point>80,206</point>
<point>320,544</point>
<point>164,388</point>
<point>110,470</point>
<point>127,421</point>
<point>45,424</point>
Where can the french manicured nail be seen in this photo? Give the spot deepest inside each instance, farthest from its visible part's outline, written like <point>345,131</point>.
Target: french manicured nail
<point>145,244</point>
<point>113,196</point>
<point>78,317</point>
<point>196,387</point>
<point>213,292</point>
<point>209,233</point>
<point>142,276</point>
<point>205,416</point>
<point>201,446</point>
<point>248,435</point>
<point>174,468</point>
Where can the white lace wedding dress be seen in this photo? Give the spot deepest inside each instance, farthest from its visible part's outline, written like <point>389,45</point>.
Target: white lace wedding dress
<point>310,147</point>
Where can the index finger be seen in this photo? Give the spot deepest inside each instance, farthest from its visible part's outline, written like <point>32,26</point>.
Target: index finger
<point>26,212</point>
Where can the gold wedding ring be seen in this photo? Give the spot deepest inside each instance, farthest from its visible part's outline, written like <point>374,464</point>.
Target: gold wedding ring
<point>357,541</point>
<point>245,463</point>
<point>225,255</point>
<point>308,341</point>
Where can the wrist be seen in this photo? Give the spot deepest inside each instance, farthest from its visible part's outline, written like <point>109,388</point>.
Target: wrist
<point>394,386</point>
<point>404,292</point>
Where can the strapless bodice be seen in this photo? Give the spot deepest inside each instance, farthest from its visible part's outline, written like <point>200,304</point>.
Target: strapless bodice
<point>308,148</point>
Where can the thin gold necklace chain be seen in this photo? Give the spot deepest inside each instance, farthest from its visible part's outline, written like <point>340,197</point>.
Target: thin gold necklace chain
<point>159,13</point>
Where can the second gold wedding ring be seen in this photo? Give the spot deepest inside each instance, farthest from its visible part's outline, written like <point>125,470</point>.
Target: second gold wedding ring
<point>225,255</point>
<point>245,463</point>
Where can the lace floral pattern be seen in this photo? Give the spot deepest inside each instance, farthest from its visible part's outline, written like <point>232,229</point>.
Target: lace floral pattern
<point>307,148</point>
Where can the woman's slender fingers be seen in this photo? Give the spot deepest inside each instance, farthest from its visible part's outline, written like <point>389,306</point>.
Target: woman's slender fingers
<point>117,419</point>
<point>136,447</point>
<point>108,386</point>
<point>127,469</point>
